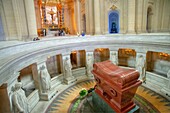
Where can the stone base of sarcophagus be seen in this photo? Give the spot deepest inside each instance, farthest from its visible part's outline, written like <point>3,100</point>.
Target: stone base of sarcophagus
<point>100,105</point>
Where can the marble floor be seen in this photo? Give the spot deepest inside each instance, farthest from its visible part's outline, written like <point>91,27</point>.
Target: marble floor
<point>149,101</point>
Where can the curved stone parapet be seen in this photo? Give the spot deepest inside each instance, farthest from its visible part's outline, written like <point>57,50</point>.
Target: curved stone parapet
<point>17,55</point>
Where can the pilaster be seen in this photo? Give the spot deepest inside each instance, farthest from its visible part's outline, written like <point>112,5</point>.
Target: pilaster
<point>102,18</point>
<point>78,15</point>
<point>17,18</point>
<point>30,19</point>
<point>139,15</point>
<point>97,18</point>
<point>87,16</point>
<point>131,16</point>
<point>91,16</point>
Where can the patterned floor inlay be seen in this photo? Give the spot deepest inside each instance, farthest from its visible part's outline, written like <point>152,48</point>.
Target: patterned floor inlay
<point>68,101</point>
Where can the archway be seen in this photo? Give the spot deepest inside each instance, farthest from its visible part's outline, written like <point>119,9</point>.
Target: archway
<point>149,20</point>
<point>113,21</point>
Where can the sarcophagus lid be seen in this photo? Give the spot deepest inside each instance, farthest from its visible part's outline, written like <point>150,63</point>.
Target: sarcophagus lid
<point>114,74</point>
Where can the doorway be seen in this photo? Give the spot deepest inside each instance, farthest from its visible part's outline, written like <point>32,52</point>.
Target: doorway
<point>113,21</point>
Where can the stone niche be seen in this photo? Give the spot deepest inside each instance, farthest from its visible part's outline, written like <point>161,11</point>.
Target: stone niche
<point>126,57</point>
<point>158,62</point>
<point>26,78</point>
<point>78,59</point>
<point>101,54</point>
<point>28,85</point>
<point>54,65</point>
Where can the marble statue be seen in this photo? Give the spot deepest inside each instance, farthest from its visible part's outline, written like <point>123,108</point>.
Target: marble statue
<point>45,79</point>
<point>141,67</point>
<point>113,58</point>
<point>89,65</point>
<point>19,99</point>
<point>68,67</point>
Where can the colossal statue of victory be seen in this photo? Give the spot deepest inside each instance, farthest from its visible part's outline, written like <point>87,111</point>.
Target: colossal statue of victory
<point>141,67</point>
<point>89,65</point>
<point>19,99</point>
<point>45,79</point>
<point>67,67</point>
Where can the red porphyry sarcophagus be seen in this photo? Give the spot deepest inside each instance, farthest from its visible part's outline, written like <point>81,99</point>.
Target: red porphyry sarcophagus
<point>117,86</point>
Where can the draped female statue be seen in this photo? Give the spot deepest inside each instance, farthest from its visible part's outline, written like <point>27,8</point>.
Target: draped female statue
<point>19,99</point>
<point>45,79</point>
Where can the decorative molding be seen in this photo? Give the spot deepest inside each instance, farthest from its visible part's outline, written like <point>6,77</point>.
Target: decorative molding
<point>113,7</point>
<point>112,1</point>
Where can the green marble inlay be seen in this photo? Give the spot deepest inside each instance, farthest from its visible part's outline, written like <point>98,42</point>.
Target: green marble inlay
<point>75,106</point>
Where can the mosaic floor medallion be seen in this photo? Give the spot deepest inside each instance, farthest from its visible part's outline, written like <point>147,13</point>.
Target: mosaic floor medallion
<point>69,102</point>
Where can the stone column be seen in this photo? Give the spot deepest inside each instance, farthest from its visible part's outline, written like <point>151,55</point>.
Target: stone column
<point>131,16</point>
<point>141,65</point>
<point>102,14</point>
<point>97,17</point>
<point>8,20</point>
<point>91,16</point>
<point>2,33</point>
<point>89,63</point>
<point>144,16</point>
<point>17,15</point>
<point>114,57</point>
<point>78,15</point>
<point>30,19</point>
<point>38,14</point>
<point>67,69</point>
<point>139,16</point>
<point>87,16</point>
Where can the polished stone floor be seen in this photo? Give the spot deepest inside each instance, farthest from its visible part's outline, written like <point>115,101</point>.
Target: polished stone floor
<point>148,100</point>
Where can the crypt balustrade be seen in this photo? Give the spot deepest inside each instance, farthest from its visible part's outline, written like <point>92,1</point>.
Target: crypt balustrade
<point>54,56</point>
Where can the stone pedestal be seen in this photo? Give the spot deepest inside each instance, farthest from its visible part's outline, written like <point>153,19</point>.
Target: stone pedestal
<point>48,95</point>
<point>69,80</point>
<point>166,91</point>
<point>100,106</point>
